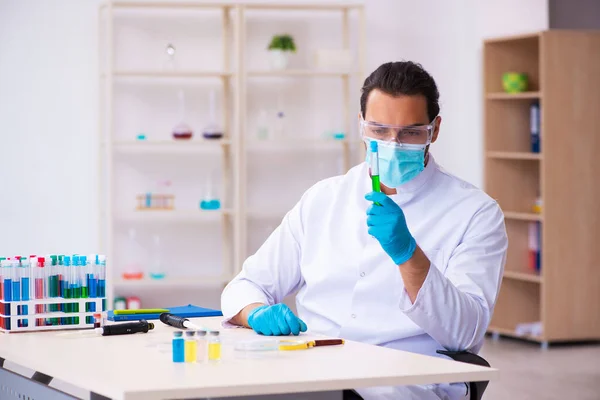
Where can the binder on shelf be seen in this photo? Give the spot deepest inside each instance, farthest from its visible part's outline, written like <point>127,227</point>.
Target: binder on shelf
<point>189,311</point>
<point>534,247</point>
<point>534,113</point>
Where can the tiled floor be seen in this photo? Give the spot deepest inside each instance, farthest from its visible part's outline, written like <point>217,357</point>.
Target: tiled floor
<point>526,372</point>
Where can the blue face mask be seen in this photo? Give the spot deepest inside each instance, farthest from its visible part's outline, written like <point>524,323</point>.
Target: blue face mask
<point>398,164</point>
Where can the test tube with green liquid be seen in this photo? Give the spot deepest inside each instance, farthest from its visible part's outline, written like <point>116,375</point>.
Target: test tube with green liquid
<point>75,286</point>
<point>376,184</point>
<point>53,285</point>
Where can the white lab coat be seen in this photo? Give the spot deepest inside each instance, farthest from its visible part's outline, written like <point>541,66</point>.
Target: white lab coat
<point>349,287</point>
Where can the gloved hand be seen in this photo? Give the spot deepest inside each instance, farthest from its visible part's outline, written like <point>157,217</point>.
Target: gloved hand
<point>275,320</point>
<point>387,224</point>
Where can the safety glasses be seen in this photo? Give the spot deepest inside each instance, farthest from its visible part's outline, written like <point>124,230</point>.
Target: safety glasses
<point>396,134</point>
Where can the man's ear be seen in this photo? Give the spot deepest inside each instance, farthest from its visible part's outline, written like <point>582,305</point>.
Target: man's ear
<point>436,129</point>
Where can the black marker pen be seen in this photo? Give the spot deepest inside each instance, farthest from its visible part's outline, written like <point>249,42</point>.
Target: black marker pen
<point>126,328</point>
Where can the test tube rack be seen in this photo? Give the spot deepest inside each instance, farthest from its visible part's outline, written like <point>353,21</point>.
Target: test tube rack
<point>155,201</point>
<point>13,318</point>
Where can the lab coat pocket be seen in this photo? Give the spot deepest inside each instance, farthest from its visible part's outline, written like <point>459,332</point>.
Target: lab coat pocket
<point>436,257</point>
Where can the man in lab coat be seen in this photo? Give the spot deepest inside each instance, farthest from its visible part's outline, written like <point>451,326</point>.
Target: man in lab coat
<point>416,267</point>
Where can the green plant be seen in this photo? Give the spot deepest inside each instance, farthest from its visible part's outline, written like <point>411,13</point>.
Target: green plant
<point>283,42</point>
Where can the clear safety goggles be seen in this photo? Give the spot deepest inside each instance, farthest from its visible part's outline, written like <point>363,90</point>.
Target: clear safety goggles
<point>397,134</point>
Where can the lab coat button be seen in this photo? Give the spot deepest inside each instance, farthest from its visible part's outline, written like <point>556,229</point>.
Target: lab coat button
<point>362,274</point>
<point>353,315</point>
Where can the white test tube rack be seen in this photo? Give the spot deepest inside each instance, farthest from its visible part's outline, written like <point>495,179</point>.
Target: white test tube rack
<point>32,316</point>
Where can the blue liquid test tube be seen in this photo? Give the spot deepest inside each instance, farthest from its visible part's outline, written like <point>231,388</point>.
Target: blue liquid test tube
<point>75,285</point>
<point>66,288</point>
<point>7,277</point>
<point>1,279</point>
<point>83,269</point>
<point>102,276</point>
<point>92,276</point>
<point>61,277</point>
<point>25,286</point>
<point>16,280</point>
<point>16,285</point>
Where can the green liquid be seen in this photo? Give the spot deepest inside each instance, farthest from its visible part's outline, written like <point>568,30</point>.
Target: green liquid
<point>66,306</point>
<point>76,295</point>
<point>53,292</point>
<point>84,292</point>
<point>376,183</point>
<point>53,283</point>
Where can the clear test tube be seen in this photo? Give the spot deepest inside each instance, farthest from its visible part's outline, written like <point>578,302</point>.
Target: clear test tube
<point>7,279</point>
<point>25,267</point>
<point>16,279</point>
<point>75,286</point>
<point>102,276</point>
<point>92,276</point>
<point>16,284</point>
<point>40,286</point>
<point>39,278</point>
<point>53,277</point>
<point>1,279</point>
<point>66,289</point>
<point>83,268</point>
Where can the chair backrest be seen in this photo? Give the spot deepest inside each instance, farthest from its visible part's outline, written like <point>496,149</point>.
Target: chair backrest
<point>476,388</point>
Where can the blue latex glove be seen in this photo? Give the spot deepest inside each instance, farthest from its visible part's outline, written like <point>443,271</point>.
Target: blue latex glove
<point>387,224</point>
<point>275,320</point>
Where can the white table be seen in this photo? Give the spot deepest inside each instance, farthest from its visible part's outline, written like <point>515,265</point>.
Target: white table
<point>139,367</point>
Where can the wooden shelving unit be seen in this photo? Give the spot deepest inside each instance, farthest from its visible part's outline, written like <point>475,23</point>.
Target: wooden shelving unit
<point>562,67</point>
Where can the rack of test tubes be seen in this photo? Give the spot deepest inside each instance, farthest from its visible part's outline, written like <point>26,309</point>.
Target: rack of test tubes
<point>153,201</point>
<point>51,292</point>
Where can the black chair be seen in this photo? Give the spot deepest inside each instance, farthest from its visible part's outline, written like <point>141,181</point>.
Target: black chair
<point>475,388</point>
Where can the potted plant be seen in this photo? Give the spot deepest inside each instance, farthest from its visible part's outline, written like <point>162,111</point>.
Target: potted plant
<point>279,49</point>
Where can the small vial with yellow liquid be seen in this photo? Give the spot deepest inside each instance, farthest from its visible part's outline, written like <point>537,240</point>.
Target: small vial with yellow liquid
<point>214,346</point>
<point>190,347</point>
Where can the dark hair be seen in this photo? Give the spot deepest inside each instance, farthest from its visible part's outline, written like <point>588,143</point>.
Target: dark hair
<point>402,77</point>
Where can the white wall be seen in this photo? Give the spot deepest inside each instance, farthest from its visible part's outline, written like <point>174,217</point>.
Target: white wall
<point>48,125</point>
<point>48,101</point>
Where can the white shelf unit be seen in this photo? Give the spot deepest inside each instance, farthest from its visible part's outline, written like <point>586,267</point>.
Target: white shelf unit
<point>259,214</point>
<point>237,77</point>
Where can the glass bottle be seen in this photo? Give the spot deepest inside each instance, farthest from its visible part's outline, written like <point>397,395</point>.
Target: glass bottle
<point>178,347</point>
<point>190,347</point>
<point>262,129</point>
<point>133,269</point>
<point>214,346</point>
<point>210,201</point>
<point>182,130</point>
<point>212,129</point>
<point>202,347</point>
<point>169,63</point>
<point>156,268</point>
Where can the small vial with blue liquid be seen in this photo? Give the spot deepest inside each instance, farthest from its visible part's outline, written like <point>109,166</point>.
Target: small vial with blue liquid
<point>178,347</point>
<point>210,201</point>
